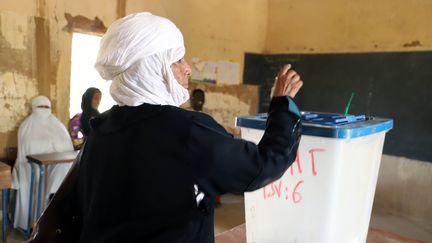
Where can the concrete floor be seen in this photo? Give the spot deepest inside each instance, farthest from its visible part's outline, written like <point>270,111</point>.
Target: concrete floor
<point>231,214</point>
<point>14,236</point>
<point>410,228</point>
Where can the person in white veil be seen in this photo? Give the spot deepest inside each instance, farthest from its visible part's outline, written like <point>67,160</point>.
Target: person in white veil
<point>39,133</point>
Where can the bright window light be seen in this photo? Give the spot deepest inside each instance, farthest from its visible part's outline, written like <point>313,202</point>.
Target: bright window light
<point>84,75</point>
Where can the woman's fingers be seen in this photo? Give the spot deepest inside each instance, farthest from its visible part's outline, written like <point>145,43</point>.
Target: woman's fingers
<point>284,70</point>
<point>295,89</point>
<point>287,83</point>
<point>295,78</point>
<point>291,79</point>
<point>291,74</point>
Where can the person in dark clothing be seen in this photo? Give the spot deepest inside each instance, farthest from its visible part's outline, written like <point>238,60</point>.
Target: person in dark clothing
<point>150,171</point>
<point>89,105</point>
<point>197,100</point>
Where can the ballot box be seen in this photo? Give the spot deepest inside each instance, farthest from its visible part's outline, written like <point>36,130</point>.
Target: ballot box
<point>326,195</point>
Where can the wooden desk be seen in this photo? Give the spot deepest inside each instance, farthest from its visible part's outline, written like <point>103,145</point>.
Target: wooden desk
<point>238,235</point>
<point>53,158</point>
<point>5,184</point>
<point>42,161</point>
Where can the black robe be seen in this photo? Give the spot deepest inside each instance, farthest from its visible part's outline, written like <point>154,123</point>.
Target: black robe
<point>140,165</point>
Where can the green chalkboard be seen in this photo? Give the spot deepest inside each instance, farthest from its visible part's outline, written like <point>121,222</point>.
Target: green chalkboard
<point>395,85</point>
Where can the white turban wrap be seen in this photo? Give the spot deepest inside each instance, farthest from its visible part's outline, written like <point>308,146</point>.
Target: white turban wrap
<point>136,53</point>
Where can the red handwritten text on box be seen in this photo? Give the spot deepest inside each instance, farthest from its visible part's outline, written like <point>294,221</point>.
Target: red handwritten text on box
<point>290,191</point>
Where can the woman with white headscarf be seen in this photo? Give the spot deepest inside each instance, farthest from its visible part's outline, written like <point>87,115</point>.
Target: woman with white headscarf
<point>39,133</point>
<point>150,170</point>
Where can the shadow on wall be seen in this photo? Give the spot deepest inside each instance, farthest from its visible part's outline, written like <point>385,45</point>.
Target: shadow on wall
<point>404,188</point>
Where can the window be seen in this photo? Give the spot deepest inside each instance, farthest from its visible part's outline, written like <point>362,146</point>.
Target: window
<point>84,75</point>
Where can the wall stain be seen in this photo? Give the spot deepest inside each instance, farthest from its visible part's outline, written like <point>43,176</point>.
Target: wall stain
<point>412,44</point>
<point>16,90</point>
<point>18,76</point>
<point>21,60</point>
<point>121,8</point>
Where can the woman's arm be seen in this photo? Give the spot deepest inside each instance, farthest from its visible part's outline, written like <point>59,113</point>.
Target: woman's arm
<point>224,164</point>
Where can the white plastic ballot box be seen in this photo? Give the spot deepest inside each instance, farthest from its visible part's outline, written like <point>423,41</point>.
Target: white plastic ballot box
<point>326,195</point>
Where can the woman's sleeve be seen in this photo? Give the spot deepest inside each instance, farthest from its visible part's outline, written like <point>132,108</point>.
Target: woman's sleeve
<point>224,164</point>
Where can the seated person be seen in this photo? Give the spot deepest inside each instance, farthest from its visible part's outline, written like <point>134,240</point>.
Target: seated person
<point>39,133</point>
<point>197,100</point>
<point>79,125</point>
<point>89,105</point>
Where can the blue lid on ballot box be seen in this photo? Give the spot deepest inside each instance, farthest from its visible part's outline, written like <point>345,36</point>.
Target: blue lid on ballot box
<point>327,124</point>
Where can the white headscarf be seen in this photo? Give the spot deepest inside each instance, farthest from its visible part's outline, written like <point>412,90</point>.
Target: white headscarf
<point>42,132</point>
<point>39,133</point>
<point>136,53</point>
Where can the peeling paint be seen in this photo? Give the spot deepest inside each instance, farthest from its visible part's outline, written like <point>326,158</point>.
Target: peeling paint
<point>10,45</point>
<point>84,24</point>
<point>18,73</point>
<point>225,102</point>
<point>14,30</point>
<point>16,91</point>
<point>224,108</point>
